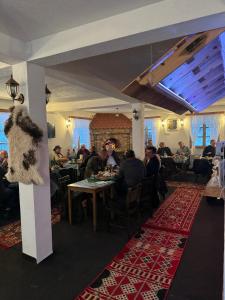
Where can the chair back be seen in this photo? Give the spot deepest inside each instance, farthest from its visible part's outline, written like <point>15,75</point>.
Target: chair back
<point>64,181</point>
<point>133,198</point>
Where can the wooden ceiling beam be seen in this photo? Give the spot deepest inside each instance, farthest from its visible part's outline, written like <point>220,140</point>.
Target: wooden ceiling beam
<point>196,87</point>
<point>181,53</point>
<point>193,73</point>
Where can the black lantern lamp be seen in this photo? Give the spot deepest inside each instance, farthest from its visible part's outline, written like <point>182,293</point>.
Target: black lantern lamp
<point>135,114</point>
<point>47,94</point>
<point>12,87</point>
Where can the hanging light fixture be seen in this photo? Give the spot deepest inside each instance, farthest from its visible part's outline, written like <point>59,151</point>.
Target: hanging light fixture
<point>135,114</point>
<point>117,112</point>
<point>12,87</point>
<point>47,94</point>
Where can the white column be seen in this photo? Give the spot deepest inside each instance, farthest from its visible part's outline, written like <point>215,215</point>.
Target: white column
<point>35,205</point>
<point>138,131</point>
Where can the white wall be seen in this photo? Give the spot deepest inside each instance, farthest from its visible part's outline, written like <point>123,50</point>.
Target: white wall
<point>63,135</point>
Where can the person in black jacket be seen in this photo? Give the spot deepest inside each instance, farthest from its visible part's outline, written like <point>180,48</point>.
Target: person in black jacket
<point>152,165</point>
<point>210,150</point>
<point>163,150</point>
<point>151,162</point>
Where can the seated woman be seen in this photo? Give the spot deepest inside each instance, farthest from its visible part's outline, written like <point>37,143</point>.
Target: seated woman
<point>58,158</point>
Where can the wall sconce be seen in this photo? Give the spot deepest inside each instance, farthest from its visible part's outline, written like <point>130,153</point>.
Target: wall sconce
<point>47,94</point>
<point>135,114</point>
<point>181,122</point>
<point>12,87</point>
<point>163,123</point>
<point>68,122</point>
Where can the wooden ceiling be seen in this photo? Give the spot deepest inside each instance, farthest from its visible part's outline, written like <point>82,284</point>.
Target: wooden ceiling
<point>190,76</point>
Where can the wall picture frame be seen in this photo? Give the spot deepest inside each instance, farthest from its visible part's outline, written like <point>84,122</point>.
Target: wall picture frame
<point>172,124</point>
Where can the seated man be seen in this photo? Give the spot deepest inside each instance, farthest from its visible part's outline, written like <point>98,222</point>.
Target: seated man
<point>83,152</point>
<point>210,150</point>
<point>58,158</point>
<point>96,163</point>
<point>163,150</point>
<point>4,160</point>
<point>113,158</point>
<point>151,162</point>
<point>183,150</point>
<point>132,171</point>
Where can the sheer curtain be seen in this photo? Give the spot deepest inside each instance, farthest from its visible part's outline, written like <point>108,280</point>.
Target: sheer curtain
<point>152,125</point>
<point>81,133</point>
<point>213,122</point>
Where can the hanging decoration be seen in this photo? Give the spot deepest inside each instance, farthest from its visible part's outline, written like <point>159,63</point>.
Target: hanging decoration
<point>24,137</point>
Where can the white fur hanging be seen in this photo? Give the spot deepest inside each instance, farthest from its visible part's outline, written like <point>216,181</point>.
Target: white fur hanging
<point>23,136</point>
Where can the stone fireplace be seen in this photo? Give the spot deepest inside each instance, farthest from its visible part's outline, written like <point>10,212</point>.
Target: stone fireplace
<point>109,126</point>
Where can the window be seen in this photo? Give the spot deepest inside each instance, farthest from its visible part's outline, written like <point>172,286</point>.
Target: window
<point>81,133</point>
<point>3,139</point>
<point>151,127</point>
<point>148,130</point>
<point>203,136</point>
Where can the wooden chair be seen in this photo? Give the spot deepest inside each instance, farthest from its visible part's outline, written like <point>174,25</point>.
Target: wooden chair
<point>63,182</point>
<point>127,212</point>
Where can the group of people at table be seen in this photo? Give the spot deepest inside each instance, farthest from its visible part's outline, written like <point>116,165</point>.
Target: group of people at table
<point>129,169</point>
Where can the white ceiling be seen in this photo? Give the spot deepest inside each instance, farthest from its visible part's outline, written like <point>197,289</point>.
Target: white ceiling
<point>28,20</point>
<point>78,86</point>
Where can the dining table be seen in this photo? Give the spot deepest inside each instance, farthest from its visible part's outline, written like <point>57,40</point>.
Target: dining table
<point>91,187</point>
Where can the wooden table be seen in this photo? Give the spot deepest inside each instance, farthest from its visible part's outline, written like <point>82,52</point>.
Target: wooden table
<point>90,188</point>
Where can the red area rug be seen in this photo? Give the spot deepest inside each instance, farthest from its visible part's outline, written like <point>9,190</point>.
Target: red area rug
<point>10,235</point>
<point>145,267</point>
<point>178,184</point>
<point>177,213</point>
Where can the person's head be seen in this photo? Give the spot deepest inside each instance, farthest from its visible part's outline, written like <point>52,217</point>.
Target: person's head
<point>181,144</point>
<point>92,149</point>
<point>103,154</point>
<point>3,154</point>
<point>83,147</point>
<point>161,144</point>
<point>149,143</point>
<point>57,149</point>
<point>130,154</point>
<point>150,152</point>
<point>109,146</point>
<point>213,143</point>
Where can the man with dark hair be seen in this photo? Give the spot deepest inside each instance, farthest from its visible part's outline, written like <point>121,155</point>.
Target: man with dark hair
<point>163,150</point>
<point>132,170</point>
<point>96,163</point>
<point>58,158</point>
<point>210,150</point>
<point>151,161</point>
<point>152,164</point>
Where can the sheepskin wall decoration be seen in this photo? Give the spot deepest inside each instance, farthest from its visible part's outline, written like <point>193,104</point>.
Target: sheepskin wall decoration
<point>24,137</point>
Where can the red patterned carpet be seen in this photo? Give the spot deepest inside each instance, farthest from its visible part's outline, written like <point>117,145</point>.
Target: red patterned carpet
<point>10,235</point>
<point>145,267</point>
<point>178,211</point>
